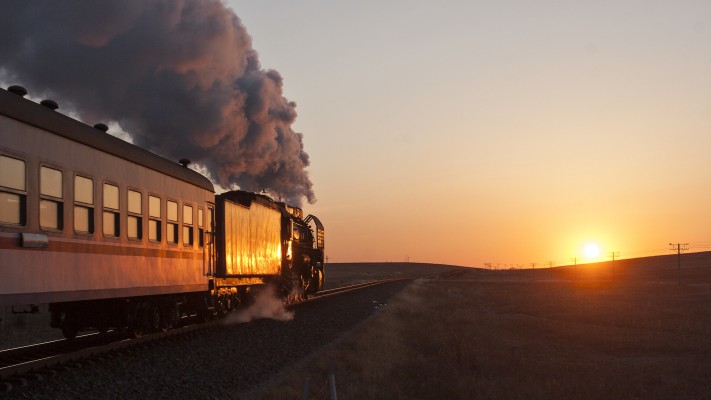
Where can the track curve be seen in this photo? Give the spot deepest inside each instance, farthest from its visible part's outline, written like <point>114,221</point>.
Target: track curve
<point>331,310</point>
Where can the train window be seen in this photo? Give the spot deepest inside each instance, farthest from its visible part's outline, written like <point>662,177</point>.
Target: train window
<point>50,214</point>
<point>112,224</point>
<point>51,196</point>
<point>51,182</point>
<point>134,225</point>
<point>12,201</point>
<point>201,228</point>
<point>12,173</point>
<point>154,221</point>
<point>12,208</point>
<point>84,190</point>
<point>210,223</point>
<point>187,225</point>
<point>83,205</point>
<point>172,226</point>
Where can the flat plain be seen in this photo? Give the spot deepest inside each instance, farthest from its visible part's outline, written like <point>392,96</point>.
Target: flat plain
<point>638,329</point>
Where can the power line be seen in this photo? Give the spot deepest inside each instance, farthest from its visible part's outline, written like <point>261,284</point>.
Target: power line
<point>679,248</point>
<point>619,255</point>
<point>614,254</point>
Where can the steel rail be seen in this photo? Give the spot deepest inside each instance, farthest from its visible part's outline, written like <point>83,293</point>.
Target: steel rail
<point>345,289</point>
<point>17,364</point>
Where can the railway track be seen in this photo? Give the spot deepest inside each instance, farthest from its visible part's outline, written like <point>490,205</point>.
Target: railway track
<point>24,365</point>
<point>20,366</point>
<point>344,289</point>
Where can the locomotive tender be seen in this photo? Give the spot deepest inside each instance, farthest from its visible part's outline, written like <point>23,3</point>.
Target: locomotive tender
<point>113,236</point>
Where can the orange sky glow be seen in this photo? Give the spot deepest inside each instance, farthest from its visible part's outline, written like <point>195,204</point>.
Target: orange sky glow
<point>506,133</point>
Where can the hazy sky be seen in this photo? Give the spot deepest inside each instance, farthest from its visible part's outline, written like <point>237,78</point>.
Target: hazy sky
<point>463,132</point>
<point>508,132</point>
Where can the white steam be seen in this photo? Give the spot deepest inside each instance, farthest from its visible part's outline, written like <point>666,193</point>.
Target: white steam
<point>267,304</point>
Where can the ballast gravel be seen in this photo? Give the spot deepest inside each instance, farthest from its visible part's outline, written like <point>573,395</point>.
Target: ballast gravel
<point>223,363</point>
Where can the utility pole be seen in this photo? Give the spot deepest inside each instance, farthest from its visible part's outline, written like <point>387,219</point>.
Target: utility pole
<point>575,268</point>
<point>613,255</point>
<point>679,247</point>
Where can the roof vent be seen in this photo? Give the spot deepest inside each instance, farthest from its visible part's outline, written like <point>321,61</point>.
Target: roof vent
<point>184,162</point>
<point>101,127</point>
<point>18,90</point>
<point>51,104</point>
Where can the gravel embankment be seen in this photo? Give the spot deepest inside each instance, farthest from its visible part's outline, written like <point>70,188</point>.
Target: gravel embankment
<point>220,364</point>
<point>343,274</point>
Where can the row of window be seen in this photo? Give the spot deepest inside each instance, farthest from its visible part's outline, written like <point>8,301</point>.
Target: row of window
<point>13,199</point>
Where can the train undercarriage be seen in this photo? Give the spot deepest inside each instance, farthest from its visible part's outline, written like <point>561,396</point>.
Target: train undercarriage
<point>148,314</point>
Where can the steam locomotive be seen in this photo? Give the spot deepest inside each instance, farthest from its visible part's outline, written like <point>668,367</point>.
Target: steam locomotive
<point>113,236</point>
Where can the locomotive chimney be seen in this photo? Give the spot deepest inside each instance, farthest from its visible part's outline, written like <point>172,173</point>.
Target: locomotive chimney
<point>18,90</point>
<point>51,104</point>
<point>101,127</point>
<point>184,162</point>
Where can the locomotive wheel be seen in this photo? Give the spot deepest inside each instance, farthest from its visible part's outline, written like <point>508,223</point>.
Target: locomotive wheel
<point>70,330</point>
<point>312,282</point>
<point>206,315</point>
<point>285,290</point>
<point>154,323</point>
<point>137,331</point>
<point>207,311</point>
<point>137,325</point>
<point>306,286</point>
<point>221,309</point>
<point>319,278</point>
<point>167,319</point>
<point>70,327</point>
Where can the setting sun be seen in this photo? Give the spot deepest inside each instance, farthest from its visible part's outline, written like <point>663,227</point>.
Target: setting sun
<point>591,251</point>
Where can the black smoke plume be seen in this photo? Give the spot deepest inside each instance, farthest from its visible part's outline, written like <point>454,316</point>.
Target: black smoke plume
<point>179,75</point>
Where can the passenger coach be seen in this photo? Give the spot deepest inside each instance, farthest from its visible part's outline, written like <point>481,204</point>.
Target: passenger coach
<point>113,236</point>
<point>85,215</point>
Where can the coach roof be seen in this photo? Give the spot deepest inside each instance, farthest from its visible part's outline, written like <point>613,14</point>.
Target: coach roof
<point>43,117</point>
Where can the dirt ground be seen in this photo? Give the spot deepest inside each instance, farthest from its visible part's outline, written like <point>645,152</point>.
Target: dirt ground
<point>563,333</point>
<point>19,329</point>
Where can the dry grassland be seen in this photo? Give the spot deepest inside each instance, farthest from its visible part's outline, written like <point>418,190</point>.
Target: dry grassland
<point>481,335</point>
<point>344,274</point>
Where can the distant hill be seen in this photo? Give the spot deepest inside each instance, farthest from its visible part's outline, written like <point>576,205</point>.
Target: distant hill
<point>342,274</point>
<point>694,268</point>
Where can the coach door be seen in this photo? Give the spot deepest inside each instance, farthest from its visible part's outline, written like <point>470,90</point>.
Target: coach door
<point>209,253</point>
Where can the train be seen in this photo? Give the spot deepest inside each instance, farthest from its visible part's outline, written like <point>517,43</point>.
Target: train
<point>112,236</point>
